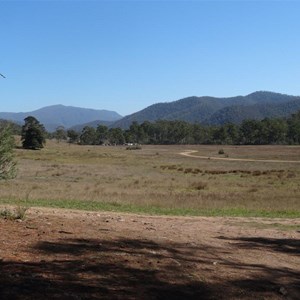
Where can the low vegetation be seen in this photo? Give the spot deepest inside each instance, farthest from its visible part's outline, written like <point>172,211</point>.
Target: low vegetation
<point>134,147</point>
<point>17,213</point>
<point>157,180</point>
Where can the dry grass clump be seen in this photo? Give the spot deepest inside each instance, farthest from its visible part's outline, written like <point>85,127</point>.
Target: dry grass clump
<point>278,173</point>
<point>188,170</point>
<point>17,213</point>
<point>256,173</point>
<point>169,167</point>
<point>291,175</point>
<point>199,185</point>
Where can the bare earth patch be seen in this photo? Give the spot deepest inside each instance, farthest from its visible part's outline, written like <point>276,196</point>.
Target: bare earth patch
<point>63,254</point>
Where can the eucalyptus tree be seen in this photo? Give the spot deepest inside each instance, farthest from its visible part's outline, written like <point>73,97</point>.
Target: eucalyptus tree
<point>8,168</point>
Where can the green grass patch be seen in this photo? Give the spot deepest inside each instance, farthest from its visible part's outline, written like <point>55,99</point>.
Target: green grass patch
<point>151,210</point>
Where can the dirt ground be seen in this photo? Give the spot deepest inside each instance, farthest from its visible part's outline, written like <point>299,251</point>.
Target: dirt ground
<point>63,254</point>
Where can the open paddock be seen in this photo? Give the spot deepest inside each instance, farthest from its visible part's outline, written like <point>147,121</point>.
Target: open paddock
<point>158,179</point>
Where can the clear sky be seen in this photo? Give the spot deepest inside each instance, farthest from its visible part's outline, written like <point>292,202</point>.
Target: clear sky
<point>127,55</point>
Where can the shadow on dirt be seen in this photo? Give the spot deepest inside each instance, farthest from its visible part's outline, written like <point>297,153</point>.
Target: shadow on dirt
<point>283,280</point>
<point>137,269</point>
<point>289,246</point>
<point>97,269</point>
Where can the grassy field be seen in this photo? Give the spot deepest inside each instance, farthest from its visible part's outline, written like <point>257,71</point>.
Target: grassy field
<point>158,180</point>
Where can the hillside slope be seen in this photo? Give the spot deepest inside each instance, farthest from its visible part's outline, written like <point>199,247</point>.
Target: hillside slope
<point>212,110</point>
<point>236,114</point>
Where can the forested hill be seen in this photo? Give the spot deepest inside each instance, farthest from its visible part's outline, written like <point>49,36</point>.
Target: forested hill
<point>238,113</point>
<point>212,110</point>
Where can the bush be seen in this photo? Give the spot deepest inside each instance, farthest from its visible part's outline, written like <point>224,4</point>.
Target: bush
<point>199,185</point>
<point>14,214</point>
<point>134,147</point>
<point>221,151</point>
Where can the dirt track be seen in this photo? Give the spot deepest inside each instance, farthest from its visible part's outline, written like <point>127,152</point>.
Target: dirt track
<point>189,154</point>
<point>60,254</point>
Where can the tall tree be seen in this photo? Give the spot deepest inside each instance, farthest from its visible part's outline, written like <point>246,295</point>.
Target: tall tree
<point>73,136</point>
<point>88,136</point>
<point>274,131</point>
<point>102,134</point>
<point>294,128</point>
<point>7,162</point>
<point>60,134</point>
<point>250,132</point>
<point>33,134</point>
<point>232,135</point>
<point>115,136</point>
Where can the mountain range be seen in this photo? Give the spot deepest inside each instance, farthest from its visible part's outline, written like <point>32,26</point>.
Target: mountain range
<point>205,110</point>
<point>59,115</point>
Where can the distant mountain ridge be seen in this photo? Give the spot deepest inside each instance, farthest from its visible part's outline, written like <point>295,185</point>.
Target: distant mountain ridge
<point>59,115</point>
<point>217,111</point>
<point>205,110</point>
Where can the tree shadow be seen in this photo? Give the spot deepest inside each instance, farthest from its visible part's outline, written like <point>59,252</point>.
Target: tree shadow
<point>289,246</point>
<point>264,279</point>
<point>98,269</point>
<point>286,281</point>
<point>137,269</point>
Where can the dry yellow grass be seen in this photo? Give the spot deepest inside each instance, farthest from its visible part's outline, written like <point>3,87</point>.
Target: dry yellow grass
<point>158,176</point>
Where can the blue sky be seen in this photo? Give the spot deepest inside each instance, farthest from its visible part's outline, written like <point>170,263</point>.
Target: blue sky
<point>127,55</point>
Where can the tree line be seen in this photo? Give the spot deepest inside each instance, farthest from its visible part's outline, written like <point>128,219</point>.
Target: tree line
<point>162,132</point>
<point>249,132</point>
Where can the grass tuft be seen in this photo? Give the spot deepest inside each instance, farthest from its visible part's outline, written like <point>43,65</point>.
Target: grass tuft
<point>18,213</point>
